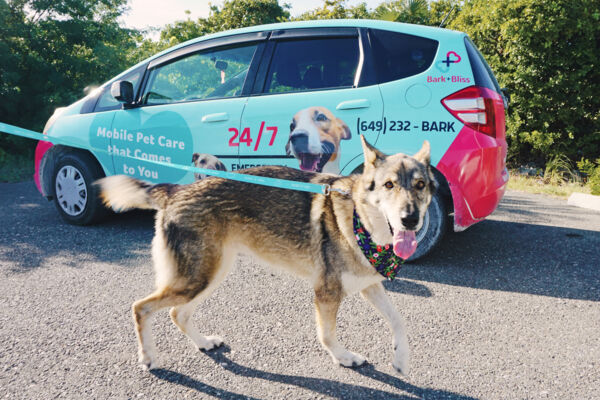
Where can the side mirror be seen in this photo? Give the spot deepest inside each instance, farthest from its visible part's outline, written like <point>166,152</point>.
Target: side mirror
<point>221,65</point>
<point>122,91</point>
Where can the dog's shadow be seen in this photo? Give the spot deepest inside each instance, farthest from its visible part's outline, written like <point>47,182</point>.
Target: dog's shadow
<point>338,390</point>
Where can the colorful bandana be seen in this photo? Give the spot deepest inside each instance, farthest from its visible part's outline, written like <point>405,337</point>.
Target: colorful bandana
<point>382,258</point>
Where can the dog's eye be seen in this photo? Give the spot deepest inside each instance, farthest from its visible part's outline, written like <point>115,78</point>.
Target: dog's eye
<point>389,184</point>
<point>420,185</point>
<point>322,117</point>
<point>292,126</point>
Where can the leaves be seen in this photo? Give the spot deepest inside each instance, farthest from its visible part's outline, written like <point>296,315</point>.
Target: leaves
<point>545,53</point>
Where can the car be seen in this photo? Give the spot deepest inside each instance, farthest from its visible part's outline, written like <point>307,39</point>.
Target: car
<point>297,94</point>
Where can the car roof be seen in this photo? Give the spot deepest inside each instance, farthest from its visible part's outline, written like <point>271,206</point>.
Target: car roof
<point>420,30</point>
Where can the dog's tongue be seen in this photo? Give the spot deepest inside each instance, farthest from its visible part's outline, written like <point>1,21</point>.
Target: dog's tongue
<point>405,244</point>
<point>308,162</point>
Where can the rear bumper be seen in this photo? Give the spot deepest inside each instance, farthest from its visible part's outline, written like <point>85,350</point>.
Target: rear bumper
<point>475,168</point>
<point>40,150</point>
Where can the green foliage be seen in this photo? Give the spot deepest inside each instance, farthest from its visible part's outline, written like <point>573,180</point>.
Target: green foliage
<point>592,170</point>
<point>50,51</point>
<point>560,170</point>
<point>336,9</point>
<point>233,14</point>
<point>409,11</point>
<point>546,53</point>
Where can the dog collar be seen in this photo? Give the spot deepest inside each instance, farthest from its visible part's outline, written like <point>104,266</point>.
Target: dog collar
<point>382,258</point>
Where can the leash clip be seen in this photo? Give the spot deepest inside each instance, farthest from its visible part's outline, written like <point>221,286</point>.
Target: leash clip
<point>327,189</point>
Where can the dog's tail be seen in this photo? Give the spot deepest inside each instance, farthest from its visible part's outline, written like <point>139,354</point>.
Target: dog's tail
<point>125,193</point>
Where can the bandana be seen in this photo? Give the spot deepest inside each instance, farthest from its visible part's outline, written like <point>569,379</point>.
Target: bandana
<point>382,258</point>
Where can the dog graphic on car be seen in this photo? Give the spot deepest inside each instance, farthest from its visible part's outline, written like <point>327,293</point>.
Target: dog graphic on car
<point>314,140</point>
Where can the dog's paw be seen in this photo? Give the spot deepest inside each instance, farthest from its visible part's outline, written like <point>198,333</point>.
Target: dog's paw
<point>401,361</point>
<point>402,366</point>
<point>210,342</point>
<point>350,359</point>
<point>147,363</point>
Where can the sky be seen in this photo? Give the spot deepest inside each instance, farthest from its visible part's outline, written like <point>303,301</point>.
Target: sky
<point>145,14</point>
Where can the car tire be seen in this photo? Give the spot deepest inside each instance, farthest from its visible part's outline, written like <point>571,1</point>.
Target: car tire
<point>75,196</point>
<point>434,227</point>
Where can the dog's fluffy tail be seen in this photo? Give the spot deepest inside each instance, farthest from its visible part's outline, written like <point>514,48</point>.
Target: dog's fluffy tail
<point>125,193</point>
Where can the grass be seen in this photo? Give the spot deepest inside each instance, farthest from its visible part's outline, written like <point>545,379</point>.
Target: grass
<point>537,184</point>
<point>16,167</point>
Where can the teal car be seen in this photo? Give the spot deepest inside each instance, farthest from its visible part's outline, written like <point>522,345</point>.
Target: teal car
<point>296,94</point>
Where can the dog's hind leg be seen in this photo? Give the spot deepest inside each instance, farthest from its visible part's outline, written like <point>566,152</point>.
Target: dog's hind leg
<point>182,315</point>
<point>326,306</point>
<point>142,313</point>
<point>377,296</point>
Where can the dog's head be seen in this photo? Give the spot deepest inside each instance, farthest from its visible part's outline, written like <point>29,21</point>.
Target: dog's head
<point>400,187</point>
<point>315,135</point>
<point>207,161</point>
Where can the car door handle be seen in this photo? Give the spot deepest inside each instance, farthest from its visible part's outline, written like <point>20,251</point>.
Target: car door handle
<point>216,117</point>
<point>353,104</point>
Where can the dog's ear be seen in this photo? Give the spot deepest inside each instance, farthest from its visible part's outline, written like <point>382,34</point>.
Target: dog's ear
<point>372,155</point>
<point>195,156</point>
<point>433,183</point>
<point>346,134</point>
<point>220,166</point>
<point>424,155</point>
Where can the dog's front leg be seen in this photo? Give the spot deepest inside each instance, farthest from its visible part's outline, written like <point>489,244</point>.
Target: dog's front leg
<point>377,296</point>
<point>326,311</point>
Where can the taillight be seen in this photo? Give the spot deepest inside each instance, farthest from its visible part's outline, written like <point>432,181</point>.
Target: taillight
<point>479,108</point>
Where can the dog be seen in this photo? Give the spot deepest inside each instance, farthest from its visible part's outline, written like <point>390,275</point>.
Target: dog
<point>315,136</point>
<point>200,228</point>
<point>208,161</point>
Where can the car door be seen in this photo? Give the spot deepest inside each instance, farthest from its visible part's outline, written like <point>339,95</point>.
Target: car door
<point>190,98</point>
<point>310,102</point>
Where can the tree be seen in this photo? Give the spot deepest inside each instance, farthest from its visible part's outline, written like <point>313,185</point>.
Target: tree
<point>50,51</point>
<point>336,9</point>
<point>233,14</point>
<point>546,53</point>
<point>409,11</point>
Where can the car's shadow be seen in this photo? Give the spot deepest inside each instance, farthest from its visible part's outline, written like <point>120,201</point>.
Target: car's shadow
<point>32,232</point>
<point>514,257</point>
<point>327,387</point>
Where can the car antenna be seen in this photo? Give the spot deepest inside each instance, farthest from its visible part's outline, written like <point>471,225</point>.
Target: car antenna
<point>447,15</point>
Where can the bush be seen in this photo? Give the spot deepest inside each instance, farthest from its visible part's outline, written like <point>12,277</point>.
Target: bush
<point>546,53</point>
<point>592,170</point>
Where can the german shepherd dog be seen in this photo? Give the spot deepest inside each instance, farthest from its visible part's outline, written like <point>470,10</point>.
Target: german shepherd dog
<point>200,228</point>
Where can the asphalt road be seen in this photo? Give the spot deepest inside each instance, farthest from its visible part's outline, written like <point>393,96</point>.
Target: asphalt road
<point>509,309</point>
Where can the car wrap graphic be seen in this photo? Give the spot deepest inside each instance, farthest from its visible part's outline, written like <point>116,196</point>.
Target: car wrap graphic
<point>314,130</point>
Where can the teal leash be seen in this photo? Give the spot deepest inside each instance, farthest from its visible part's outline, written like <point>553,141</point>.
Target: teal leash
<point>325,189</point>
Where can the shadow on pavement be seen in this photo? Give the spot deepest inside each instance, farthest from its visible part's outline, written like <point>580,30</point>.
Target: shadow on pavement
<point>513,257</point>
<point>333,389</point>
<point>525,257</point>
<point>32,232</point>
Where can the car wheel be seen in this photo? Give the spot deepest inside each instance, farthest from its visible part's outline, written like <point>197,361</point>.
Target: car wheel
<point>75,196</point>
<point>433,229</point>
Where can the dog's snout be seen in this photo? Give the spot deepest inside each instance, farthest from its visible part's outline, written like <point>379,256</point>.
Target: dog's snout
<point>299,140</point>
<point>410,221</point>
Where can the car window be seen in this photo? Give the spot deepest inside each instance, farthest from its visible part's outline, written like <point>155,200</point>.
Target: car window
<point>398,55</point>
<point>208,74</point>
<point>312,64</point>
<point>482,72</point>
<point>107,102</point>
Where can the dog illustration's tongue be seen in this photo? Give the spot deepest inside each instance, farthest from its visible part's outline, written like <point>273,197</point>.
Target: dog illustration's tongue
<point>405,244</point>
<point>308,162</point>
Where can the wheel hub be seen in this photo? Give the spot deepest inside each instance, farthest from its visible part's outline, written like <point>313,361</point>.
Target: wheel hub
<point>71,190</point>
